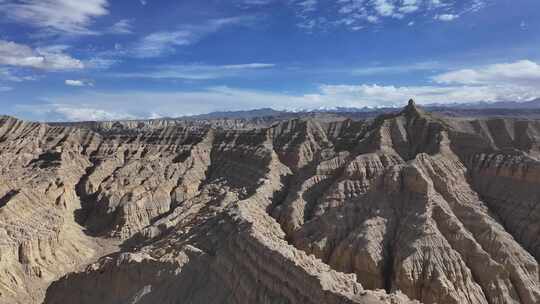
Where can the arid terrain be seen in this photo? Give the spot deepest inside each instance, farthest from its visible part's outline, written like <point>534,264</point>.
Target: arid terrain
<point>407,207</point>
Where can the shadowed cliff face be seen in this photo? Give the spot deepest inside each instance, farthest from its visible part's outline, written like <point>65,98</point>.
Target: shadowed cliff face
<point>406,207</point>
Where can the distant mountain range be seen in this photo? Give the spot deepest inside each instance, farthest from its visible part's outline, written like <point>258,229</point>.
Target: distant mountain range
<point>247,114</point>
<point>532,104</point>
<point>459,109</point>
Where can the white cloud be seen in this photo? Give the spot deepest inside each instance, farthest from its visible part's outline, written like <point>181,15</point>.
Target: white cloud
<point>199,72</point>
<point>372,19</point>
<point>49,58</point>
<point>308,5</point>
<point>100,63</point>
<point>410,2</point>
<point>409,6</point>
<point>523,72</point>
<point>384,7</point>
<point>407,9</point>
<point>255,2</point>
<point>308,25</point>
<point>398,69</point>
<point>475,6</point>
<point>71,113</point>
<point>165,42</point>
<point>59,15</point>
<point>124,26</point>
<point>356,13</point>
<point>5,89</point>
<point>375,95</point>
<point>435,3</point>
<point>9,74</point>
<point>446,17</point>
<point>78,83</point>
<point>160,43</point>
<point>248,66</point>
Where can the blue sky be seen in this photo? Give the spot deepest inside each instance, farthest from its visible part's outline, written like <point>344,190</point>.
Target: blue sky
<point>104,59</point>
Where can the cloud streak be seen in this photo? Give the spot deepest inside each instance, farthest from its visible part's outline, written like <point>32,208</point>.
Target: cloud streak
<point>78,83</point>
<point>198,72</point>
<point>165,42</point>
<point>64,16</point>
<point>397,69</point>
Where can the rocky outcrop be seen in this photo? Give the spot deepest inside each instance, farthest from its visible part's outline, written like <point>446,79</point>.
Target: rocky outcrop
<point>406,207</point>
<point>401,212</point>
<point>39,238</point>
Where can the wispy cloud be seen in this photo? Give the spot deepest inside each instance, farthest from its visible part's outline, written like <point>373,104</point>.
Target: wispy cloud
<point>358,14</point>
<point>384,7</point>
<point>409,6</point>
<point>45,58</point>
<point>255,2</point>
<point>165,42</point>
<point>307,5</point>
<point>100,63</point>
<point>124,26</point>
<point>398,69</point>
<point>446,17</point>
<point>79,83</point>
<point>10,74</point>
<point>5,89</point>
<point>198,71</point>
<point>58,15</point>
<point>160,43</point>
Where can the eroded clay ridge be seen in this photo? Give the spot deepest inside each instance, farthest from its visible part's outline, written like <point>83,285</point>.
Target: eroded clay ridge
<point>407,207</point>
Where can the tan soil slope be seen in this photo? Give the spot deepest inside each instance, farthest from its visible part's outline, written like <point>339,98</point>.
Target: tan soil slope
<point>408,206</point>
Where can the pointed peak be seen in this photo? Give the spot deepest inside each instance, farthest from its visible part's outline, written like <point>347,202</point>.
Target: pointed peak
<point>411,108</point>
